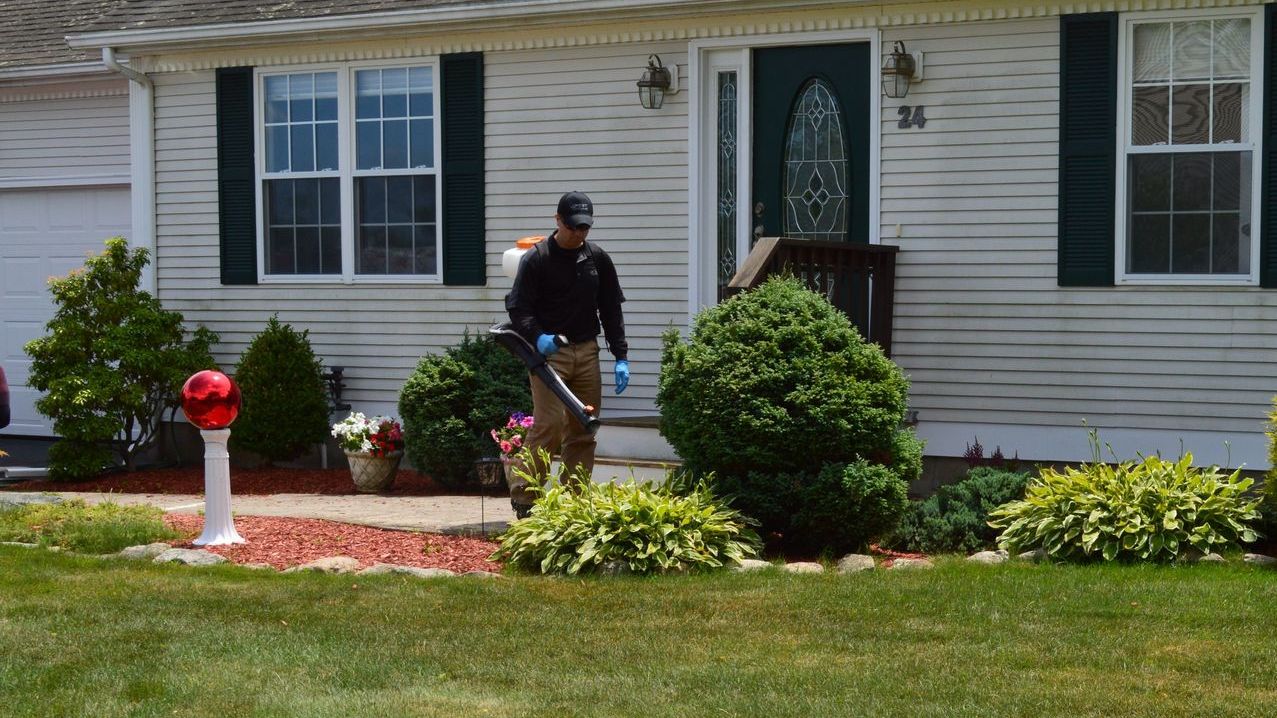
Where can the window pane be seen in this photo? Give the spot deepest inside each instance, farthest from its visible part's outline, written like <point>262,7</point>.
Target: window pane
<point>276,91</point>
<point>280,252</point>
<point>371,253</point>
<point>423,195</point>
<point>1190,114</point>
<point>398,199</point>
<point>279,201</point>
<point>277,148</point>
<point>367,94</point>
<point>422,141</point>
<point>1150,109</point>
<point>426,261</point>
<point>367,145</point>
<point>1150,183</point>
<point>421,91</point>
<point>372,200</point>
<point>302,138</point>
<point>326,146</point>
<point>395,144</point>
<point>307,199</point>
<point>308,250</point>
<point>399,249</point>
<point>394,92</point>
<point>1227,245</point>
<point>1150,244</point>
<point>326,96</point>
<point>1232,48</point>
<point>1191,182</point>
<point>1192,51</point>
<point>1228,181</point>
<point>301,98</point>
<point>330,201</point>
<point>330,250</point>
<point>1190,243</point>
<point>1152,52</point>
<point>1232,104</point>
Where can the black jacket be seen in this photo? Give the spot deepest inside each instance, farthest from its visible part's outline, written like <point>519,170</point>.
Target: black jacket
<point>567,291</point>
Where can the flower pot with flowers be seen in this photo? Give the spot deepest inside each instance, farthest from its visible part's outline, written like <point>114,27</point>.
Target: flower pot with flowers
<point>374,447</point>
<point>510,438</point>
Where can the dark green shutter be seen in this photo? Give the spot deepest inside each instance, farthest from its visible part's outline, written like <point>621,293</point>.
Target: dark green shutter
<point>1088,149</point>
<point>236,200</point>
<point>463,190</point>
<point>1267,215</point>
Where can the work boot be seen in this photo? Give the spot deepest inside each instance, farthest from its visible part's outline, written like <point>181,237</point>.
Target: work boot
<point>521,511</point>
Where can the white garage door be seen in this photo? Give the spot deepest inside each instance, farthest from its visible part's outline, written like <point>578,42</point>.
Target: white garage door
<point>44,233</point>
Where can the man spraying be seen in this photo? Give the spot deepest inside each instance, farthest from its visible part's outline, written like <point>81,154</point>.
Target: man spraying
<point>566,286</point>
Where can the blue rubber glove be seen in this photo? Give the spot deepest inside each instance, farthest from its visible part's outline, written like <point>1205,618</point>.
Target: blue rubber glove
<point>546,345</point>
<point>622,375</point>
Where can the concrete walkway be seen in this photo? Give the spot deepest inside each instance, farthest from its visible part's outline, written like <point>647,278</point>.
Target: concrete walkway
<point>466,515</point>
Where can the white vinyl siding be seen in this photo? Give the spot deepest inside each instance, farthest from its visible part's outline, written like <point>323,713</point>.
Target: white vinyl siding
<point>981,326</point>
<point>631,162</point>
<point>59,138</point>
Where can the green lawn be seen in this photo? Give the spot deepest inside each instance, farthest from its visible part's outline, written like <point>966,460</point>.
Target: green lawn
<point>83,637</point>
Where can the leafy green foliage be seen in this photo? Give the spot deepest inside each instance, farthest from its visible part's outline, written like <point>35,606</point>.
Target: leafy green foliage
<point>284,408</point>
<point>452,400</point>
<point>1267,522</point>
<point>1149,510</point>
<point>102,528</point>
<point>846,506</point>
<point>112,362</point>
<point>955,518</point>
<point>650,530</point>
<point>773,386</point>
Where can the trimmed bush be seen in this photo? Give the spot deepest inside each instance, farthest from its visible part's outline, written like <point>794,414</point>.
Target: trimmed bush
<point>649,530</point>
<point>1267,522</point>
<point>75,526</point>
<point>773,387</point>
<point>452,400</point>
<point>114,359</point>
<point>285,403</point>
<point>1151,510</point>
<point>955,518</point>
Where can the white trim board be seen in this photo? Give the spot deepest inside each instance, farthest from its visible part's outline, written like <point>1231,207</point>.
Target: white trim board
<point>111,180</point>
<point>1071,444</point>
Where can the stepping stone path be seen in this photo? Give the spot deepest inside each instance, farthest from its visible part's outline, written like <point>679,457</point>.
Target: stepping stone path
<point>190,557</point>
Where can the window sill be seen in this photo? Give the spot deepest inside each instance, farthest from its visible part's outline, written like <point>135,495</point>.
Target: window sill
<point>1190,281</point>
<point>348,281</point>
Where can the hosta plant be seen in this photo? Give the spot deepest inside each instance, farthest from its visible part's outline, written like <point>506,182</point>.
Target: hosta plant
<point>1150,510</point>
<point>581,529</point>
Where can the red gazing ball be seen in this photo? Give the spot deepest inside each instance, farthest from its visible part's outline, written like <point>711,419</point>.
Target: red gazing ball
<point>210,400</point>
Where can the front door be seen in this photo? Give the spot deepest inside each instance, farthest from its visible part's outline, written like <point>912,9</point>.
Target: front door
<point>811,114</point>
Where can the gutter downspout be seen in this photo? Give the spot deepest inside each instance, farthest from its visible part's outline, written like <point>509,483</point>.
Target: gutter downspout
<point>141,162</point>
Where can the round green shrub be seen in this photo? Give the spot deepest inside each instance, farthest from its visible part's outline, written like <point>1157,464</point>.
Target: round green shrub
<point>284,408</point>
<point>452,400</point>
<point>955,518</point>
<point>846,506</point>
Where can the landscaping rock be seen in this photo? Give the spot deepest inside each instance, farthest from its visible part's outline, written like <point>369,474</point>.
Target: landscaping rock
<point>1035,555</point>
<point>379,569</point>
<point>9,500</point>
<point>146,551</point>
<point>855,563</point>
<point>912,563</point>
<point>1258,559</point>
<point>988,557</point>
<point>482,574</point>
<point>1212,558</point>
<point>190,557</point>
<point>615,568</point>
<point>330,564</point>
<point>751,564</point>
<point>804,567</point>
<point>259,566</point>
<point>19,543</point>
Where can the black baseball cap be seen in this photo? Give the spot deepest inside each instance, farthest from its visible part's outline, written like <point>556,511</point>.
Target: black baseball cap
<point>576,209</point>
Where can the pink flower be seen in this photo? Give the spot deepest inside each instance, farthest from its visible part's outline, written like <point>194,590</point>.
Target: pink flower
<point>516,441</point>
<point>527,422</point>
<point>494,435</point>
<point>511,423</point>
<point>506,448</point>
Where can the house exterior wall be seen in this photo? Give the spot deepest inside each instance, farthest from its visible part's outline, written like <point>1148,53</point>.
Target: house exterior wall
<point>55,133</point>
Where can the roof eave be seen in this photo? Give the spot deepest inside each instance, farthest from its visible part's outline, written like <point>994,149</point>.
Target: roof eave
<point>53,72</point>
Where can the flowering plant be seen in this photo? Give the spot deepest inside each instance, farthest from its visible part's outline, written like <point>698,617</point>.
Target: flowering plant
<point>378,436</point>
<point>510,437</point>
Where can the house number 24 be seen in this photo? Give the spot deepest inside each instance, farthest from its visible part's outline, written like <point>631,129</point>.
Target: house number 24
<point>911,117</point>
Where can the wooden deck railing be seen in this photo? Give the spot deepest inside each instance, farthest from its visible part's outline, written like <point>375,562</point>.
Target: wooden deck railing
<point>859,279</point>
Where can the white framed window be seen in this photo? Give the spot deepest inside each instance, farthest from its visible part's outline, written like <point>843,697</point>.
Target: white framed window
<point>1189,108</point>
<point>348,165</point>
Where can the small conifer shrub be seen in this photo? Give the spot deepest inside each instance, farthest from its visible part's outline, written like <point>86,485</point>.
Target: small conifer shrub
<point>285,404</point>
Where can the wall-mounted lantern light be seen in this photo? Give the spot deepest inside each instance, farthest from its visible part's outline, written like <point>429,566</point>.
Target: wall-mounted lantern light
<point>657,82</point>
<point>899,70</point>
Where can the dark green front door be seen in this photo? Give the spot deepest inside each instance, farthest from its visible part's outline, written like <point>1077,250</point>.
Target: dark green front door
<point>811,142</point>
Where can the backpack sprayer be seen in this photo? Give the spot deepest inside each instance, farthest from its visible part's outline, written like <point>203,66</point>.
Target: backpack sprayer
<point>507,337</point>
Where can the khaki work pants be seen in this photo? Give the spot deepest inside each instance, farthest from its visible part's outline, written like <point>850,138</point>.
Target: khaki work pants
<point>553,429</point>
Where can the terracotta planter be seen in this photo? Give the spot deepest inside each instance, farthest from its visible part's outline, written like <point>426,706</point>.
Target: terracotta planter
<point>373,473</point>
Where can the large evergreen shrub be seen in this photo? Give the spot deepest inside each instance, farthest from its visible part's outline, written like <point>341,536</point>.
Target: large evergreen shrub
<point>772,387</point>
<point>956,517</point>
<point>452,400</point>
<point>114,359</point>
<point>285,403</point>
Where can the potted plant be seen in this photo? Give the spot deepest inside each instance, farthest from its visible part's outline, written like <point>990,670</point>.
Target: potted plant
<point>510,438</point>
<point>374,447</point>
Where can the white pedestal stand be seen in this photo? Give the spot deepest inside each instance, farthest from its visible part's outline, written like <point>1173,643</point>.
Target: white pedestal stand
<point>219,527</point>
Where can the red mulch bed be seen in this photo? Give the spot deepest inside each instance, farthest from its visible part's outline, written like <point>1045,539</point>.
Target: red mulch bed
<point>284,542</point>
<point>248,482</point>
